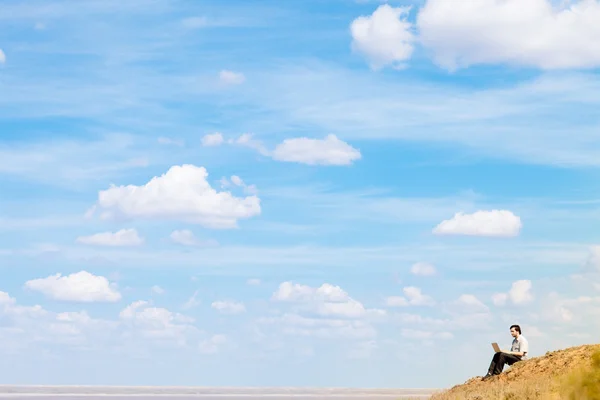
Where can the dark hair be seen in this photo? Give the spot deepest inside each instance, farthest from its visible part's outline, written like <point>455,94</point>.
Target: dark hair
<point>517,328</point>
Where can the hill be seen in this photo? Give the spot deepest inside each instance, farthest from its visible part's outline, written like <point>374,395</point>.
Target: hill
<point>569,374</point>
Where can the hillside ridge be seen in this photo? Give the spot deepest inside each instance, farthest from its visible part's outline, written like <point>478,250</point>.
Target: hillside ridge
<point>536,378</point>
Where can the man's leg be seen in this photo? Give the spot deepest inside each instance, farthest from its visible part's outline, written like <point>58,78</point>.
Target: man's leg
<point>493,364</point>
<point>510,359</point>
<point>504,359</point>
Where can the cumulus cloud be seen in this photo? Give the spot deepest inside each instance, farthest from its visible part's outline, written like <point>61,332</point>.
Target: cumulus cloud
<point>212,139</point>
<point>231,78</point>
<point>327,151</point>
<point>10,308</point>
<point>157,323</point>
<point>124,237</point>
<point>78,287</point>
<point>181,194</point>
<point>500,223</point>
<point>519,293</point>
<point>413,296</point>
<point>416,297</point>
<point>2,57</point>
<point>229,307</point>
<point>423,269</point>
<point>384,37</point>
<point>325,300</point>
<point>529,33</point>
<point>186,237</point>
<point>536,34</point>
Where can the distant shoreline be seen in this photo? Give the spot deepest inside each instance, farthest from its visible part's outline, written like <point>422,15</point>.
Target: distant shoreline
<point>36,391</point>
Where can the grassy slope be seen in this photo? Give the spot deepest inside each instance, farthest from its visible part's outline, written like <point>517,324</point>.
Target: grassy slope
<point>570,374</point>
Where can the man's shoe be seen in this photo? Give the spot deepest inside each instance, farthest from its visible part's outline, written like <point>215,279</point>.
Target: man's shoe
<point>488,376</point>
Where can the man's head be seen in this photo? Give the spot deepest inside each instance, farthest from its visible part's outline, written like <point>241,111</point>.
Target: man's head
<point>515,330</point>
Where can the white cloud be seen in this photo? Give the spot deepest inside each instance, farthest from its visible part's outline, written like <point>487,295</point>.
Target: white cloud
<point>157,323</point>
<point>412,297</point>
<point>328,151</point>
<point>500,223</point>
<point>2,57</point>
<point>416,297</point>
<point>229,307</point>
<point>182,194</point>
<point>247,140</point>
<point>423,269</point>
<point>499,299</point>
<point>187,238</point>
<point>237,181</point>
<point>212,345</point>
<point>289,291</point>
<point>80,287</point>
<point>385,37</point>
<point>9,307</point>
<point>231,77</point>
<point>212,139</point>
<point>326,300</point>
<point>529,33</point>
<point>124,237</point>
<point>157,289</point>
<point>253,282</point>
<point>469,302</point>
<point>519,293</point>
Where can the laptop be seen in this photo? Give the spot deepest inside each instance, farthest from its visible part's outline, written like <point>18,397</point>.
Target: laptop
<point>496,347</point>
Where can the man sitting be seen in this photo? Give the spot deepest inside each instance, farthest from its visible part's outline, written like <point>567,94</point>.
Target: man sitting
<point>518,352</point>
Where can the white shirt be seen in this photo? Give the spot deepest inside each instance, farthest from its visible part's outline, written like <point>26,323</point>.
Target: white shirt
<point>520,344</point>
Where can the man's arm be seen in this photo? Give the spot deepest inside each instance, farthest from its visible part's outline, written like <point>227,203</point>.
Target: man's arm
<point>515,353</point>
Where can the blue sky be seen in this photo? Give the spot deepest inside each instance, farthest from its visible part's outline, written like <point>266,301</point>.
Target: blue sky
<point>356,193</point>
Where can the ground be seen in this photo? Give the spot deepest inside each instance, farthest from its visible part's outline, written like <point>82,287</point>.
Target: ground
<point>564,374</point>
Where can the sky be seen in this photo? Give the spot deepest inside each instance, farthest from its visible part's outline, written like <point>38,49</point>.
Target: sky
<point>301,193</point>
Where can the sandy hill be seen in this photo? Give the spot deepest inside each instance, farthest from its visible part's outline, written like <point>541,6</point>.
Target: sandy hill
<point>570,374</point>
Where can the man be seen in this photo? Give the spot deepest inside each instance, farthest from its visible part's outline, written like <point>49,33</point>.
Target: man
<point>518,352</point>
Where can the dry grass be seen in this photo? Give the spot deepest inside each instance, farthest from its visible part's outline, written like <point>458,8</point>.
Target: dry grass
<point>571,374</point>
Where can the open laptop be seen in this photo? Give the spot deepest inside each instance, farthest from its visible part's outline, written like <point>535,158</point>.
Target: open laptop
<point>496,347</point>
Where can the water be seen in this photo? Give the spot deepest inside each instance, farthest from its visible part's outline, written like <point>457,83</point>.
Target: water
<point>204,393</point>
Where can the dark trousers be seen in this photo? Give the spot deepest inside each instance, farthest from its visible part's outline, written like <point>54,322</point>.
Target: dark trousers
<point>497,364</point>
